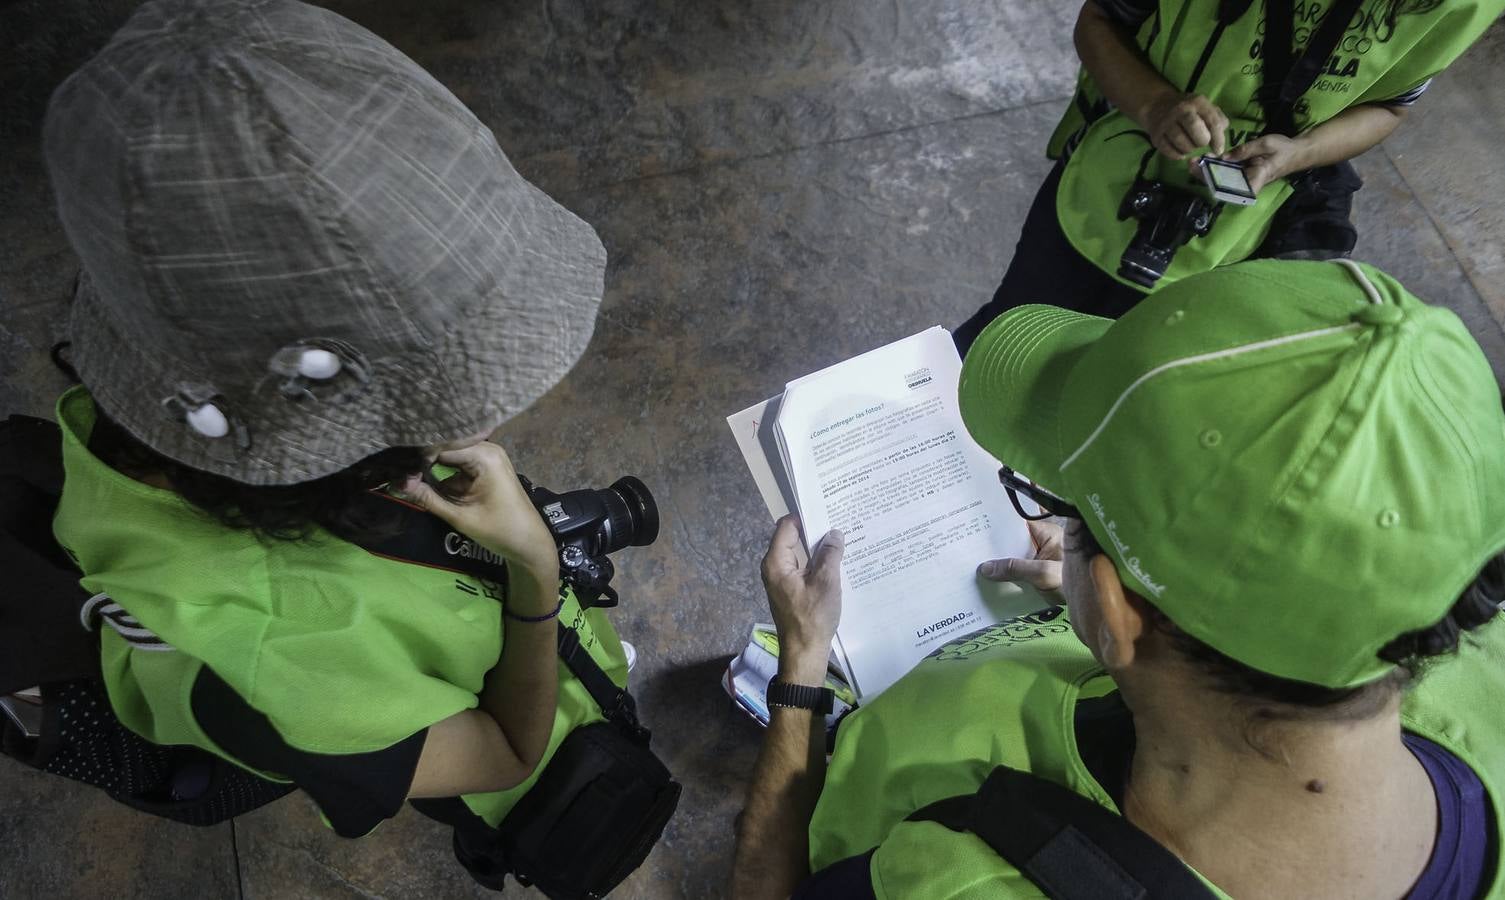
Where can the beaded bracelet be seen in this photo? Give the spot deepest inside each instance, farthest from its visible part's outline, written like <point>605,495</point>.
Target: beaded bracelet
<point>543,618</point>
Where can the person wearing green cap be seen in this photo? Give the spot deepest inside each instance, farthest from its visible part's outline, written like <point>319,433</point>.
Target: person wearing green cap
<point>1280,516</point>
<point>1163,82</point>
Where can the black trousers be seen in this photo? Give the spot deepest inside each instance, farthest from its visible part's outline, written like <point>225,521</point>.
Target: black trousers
<point>1047,269</point>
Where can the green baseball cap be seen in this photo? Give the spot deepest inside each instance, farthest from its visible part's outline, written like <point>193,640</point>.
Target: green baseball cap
<point>1297,462</point>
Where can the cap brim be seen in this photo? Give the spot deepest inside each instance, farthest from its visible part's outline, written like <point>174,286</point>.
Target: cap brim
<point>1012,385</point>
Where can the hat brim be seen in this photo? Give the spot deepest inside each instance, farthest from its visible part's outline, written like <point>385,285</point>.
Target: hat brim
<point>1013,382</point>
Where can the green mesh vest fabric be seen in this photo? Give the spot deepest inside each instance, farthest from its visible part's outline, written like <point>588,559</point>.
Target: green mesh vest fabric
<point>344,651</point>
<point>1372,64</point>
<point>1007,696</point>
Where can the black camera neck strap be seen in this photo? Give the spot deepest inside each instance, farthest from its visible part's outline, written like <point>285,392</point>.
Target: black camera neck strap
<point>1285,76</point>
<point>424,539</point>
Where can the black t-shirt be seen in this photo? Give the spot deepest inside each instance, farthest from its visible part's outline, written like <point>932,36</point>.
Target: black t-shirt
<point>355,791</point>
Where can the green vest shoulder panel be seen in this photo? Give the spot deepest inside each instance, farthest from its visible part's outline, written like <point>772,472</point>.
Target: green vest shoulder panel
<point>345,652</point>
<point>997,696</point>
<point>1373,63</point>
<point>1007,696</point>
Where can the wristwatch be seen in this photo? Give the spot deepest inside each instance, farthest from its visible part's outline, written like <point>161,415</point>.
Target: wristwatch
<point>801,696</point>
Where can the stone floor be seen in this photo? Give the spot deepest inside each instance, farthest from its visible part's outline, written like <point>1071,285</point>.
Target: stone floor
<point>780,185</point>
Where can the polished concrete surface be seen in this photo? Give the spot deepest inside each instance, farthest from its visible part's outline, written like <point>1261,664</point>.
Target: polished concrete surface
<point>780,185</point>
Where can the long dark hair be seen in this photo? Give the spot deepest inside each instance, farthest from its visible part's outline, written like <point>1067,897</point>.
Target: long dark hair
<point>292,512</point>
<point>272,512</point>
<point>1412,653</point>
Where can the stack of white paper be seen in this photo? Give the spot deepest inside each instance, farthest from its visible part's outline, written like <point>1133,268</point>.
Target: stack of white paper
<point>875,446</point>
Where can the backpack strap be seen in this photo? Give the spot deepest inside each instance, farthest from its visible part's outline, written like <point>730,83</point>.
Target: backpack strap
<point>40,639</point>
<point>1069,846</point>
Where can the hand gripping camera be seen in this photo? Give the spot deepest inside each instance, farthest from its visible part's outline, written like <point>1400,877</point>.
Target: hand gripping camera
<point>1168,217</point>
<point>590,523</point>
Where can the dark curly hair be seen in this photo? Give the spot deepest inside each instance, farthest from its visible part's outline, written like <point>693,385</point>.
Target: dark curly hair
<point>292,512</point>
<point>1278,698</point>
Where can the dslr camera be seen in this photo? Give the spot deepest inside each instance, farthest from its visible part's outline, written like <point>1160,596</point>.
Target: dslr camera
<point>588,524</point>
<point>1168,217</point>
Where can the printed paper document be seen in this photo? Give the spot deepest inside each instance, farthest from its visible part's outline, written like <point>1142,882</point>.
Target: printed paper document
<point>875,446</point>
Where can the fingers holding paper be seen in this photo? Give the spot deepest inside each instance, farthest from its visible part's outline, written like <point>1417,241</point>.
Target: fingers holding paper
<point>1042,570</point>
<point>804,598</point>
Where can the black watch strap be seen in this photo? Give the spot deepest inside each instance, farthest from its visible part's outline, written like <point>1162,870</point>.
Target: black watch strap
<point>801,696</point>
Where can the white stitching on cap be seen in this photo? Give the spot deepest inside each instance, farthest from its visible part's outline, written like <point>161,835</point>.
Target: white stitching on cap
<point>1201,357</point>
<point>1130,562</point>
<point>1364,282</point>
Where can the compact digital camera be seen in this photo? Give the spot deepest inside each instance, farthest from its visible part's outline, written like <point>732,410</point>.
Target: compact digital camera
<point>588,524</point>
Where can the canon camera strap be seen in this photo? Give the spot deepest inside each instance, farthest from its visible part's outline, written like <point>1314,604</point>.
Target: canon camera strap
<point>1069,846</point>
<point>1285,79</point>
<point>427,540</point>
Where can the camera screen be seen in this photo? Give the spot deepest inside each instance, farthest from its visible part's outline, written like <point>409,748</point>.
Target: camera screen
<point>1228,178</point>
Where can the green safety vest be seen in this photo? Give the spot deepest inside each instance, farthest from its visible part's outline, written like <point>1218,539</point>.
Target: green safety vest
<point>343,651</point>
<point>1372,64</point>
<point>1007,695</point>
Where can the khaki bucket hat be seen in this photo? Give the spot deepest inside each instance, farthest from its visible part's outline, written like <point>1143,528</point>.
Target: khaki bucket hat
<point>299,248</point>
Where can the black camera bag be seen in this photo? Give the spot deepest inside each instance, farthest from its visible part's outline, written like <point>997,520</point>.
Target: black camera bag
<point>593,815</point>
<point>601,803</point>
<point>591,819</point>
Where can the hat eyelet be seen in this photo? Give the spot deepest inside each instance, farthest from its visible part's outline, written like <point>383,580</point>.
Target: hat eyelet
<point>319,369</point>
<point>318,364</point>
<point>1388,518</point>
<point>208,421</point>
<point>204,411</point>
<point>1210,438</point>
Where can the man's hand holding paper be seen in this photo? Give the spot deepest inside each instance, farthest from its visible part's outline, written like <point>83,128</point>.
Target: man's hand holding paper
<point>805,600</point>
<point>1041,570</point>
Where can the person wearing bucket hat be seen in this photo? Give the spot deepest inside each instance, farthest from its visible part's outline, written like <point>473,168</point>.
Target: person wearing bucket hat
<point>308,271</point>
<point>1284,484</point>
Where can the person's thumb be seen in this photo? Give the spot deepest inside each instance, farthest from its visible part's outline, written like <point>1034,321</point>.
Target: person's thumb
<point>826,566</point>
<point>1041,573</point>
<point>1241,152</point>
<point>415,491</point>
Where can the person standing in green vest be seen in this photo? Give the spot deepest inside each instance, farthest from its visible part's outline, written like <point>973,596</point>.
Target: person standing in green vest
<point>1166,81</point>
<point>309,272</point>
<point>1276,669</point>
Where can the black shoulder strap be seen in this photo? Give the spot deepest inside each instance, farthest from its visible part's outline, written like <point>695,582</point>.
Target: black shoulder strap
<point>616,704</point>
<point>1286,79</point>
<point>427,540</point>
<point>1069,846</point>
<point>40,638</point>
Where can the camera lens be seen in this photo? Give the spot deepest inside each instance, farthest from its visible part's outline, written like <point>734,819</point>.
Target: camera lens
<point>632,514</point>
